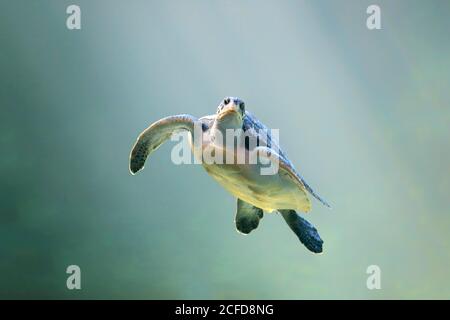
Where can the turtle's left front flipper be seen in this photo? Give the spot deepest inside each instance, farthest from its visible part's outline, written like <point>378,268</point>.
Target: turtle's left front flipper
<point>247,217</point>
<point>304,230</point>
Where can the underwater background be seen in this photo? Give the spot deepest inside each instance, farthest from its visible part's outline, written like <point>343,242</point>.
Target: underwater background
<point>363,114</point>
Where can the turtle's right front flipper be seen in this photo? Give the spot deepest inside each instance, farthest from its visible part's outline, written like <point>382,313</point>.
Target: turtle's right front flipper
<point>304,230</point>
<point>152,137</point>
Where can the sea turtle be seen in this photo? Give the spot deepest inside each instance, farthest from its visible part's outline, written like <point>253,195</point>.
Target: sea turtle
<point>285,191</point>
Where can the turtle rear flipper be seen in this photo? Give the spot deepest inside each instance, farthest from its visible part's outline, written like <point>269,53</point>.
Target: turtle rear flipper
<point>247,217</point>
<point>304,230</point>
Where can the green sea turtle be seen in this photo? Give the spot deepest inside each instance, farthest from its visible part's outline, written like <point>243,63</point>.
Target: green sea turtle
<point>285,191</point>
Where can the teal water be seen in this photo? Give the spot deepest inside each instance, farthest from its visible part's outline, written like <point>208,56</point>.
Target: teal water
<point>364,115</point>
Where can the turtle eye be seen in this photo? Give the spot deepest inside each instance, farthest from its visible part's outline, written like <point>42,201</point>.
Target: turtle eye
<point>242,107</point>
<point>226,101</point>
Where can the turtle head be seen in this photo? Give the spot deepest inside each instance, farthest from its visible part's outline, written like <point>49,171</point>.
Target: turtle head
<point>230,113</point>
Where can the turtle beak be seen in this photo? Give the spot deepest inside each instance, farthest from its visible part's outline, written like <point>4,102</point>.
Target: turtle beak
<point>228,112</point>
